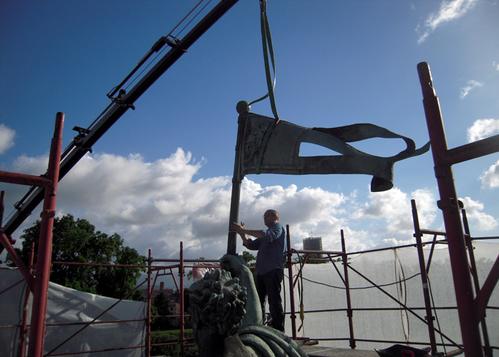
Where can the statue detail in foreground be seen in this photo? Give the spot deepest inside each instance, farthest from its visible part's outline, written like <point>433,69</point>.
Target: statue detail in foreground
<point>227,318</point>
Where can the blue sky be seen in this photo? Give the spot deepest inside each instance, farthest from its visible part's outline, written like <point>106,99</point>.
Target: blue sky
<point>162,173</point>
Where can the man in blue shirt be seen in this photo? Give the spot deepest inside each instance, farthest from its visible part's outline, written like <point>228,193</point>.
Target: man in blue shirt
<point>269,263</point>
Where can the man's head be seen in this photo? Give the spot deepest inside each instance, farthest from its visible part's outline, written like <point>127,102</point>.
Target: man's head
<point>270,217</point>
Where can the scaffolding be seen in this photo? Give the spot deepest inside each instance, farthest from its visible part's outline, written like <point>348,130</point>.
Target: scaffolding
<point>299,258</point>
<point>173,268</point>
<point>471,297</point>
<point>471,308</point>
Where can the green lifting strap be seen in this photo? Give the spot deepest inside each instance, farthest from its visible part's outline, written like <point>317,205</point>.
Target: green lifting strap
<point>269,60</point>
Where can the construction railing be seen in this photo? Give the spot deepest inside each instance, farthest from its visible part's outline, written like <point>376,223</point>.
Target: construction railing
<point>297,260</point>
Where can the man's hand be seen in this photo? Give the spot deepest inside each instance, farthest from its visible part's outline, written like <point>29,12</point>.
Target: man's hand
<point>238,228</point>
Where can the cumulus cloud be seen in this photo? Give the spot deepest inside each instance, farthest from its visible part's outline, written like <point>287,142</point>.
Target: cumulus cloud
<point>476,215</point>
<point>470,85</point>
<point>483,128</point>
<point>394,208</point>
<point>449,10</point>
<point>495,64</point>
<point>160,203</point>
<point>6,138</point>
<point>395,241</point>
<point>490,178</point>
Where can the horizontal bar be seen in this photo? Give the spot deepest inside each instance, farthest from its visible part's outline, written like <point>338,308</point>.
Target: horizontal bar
<point>112,265</point>
<point>395,247</point>
<point>405,342</point>
<point>378,309</point>
<point>187,260</point>
<point>95,351</point>
<point>317,252</point>
<point>484,238</point>
<point>429,231</point>
<point>23,179</point>
<point>108,265</point>
<point>383,341</point>
<point>154,268</point>
<point>472,150</point>
<point>53,324</point>
<point>186,315</point>
<point>159,344</point>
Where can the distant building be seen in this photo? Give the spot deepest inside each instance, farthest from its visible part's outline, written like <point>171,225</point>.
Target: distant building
<point>158,290</point>
<point>313,244</point>
<point>166,291</point>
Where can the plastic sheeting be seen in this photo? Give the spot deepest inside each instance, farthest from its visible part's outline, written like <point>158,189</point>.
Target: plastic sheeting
<point>68,309</point>
<point>386,267</point>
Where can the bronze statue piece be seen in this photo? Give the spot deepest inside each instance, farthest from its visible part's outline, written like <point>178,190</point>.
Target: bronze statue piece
<point>227,317</point>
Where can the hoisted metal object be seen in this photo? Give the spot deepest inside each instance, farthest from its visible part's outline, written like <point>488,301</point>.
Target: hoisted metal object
<point>266,145</point>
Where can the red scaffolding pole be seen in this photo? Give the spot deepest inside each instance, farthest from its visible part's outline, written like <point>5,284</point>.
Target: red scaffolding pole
<point>39,282</point>
<point>443,158</point>
<point>44,254</point>
<point>181,295</point>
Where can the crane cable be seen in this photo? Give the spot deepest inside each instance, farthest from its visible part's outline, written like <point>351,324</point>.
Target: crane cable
<point>269,60</point>
<point>158,48</point>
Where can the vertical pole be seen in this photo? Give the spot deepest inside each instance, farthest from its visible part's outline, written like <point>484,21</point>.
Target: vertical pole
<point>24,328</point>
<point>448,204</point>
<point>290,282</point>
<point>181,295</point>
<point>476,282</point>
<point>344,258</point>
<point>2,195</point>
<point>44,256</point>
<point>424,278</point>
<point>149,304</point>
<point>237,177</point>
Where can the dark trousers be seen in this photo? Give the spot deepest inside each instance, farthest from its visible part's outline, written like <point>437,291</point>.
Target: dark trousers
<point>269,285</point>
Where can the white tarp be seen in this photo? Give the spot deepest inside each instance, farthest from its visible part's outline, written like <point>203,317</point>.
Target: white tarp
<point>67,306</point>
<point>387,325</point>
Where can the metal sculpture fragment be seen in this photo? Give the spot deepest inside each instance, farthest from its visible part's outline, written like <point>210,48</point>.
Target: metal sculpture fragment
<point>270,146</point>
<point>227,317</point>
<point>267,145</point>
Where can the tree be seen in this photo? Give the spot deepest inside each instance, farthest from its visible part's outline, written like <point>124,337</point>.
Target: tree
<point>248,257</point>
<point>76,240</point>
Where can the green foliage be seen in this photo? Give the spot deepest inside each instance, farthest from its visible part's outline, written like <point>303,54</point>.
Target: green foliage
<point>76,240</point>
<point>248,257</point>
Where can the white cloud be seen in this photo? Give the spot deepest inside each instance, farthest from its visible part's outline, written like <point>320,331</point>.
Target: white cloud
<point>470,85</point>
<point>490,178</point>
<point>476,215</point>
<point>394,241</point>
<point>483,128</point>
<point>449,11</point>
<point>495,65</point>
<point>158,204</point>
<point>6,138</point>
<point>394,208</point>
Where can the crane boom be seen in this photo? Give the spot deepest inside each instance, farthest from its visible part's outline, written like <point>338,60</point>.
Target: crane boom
<point>83,143</point>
